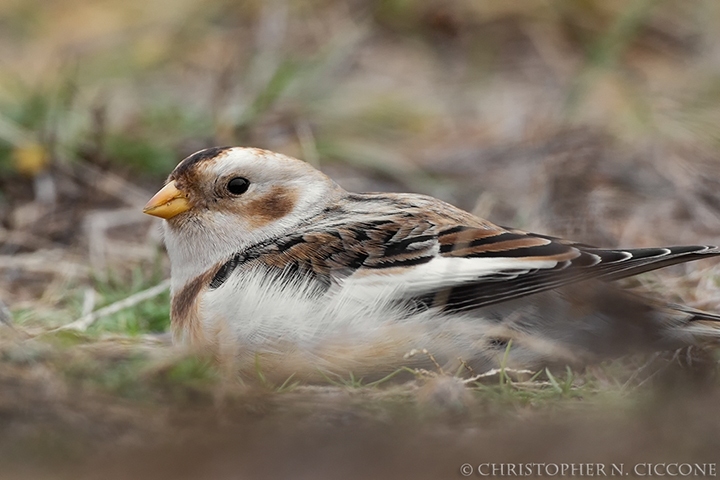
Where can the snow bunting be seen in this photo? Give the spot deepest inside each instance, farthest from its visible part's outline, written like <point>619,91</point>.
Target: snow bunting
<point>269,256</point>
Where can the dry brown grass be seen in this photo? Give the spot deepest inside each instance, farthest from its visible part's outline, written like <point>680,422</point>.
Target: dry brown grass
<point>594,120</point>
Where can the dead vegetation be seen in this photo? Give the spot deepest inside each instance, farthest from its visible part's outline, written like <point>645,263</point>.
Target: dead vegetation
<point>593,120</point>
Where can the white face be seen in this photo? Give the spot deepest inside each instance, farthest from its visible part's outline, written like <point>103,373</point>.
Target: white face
<point>238,197</point>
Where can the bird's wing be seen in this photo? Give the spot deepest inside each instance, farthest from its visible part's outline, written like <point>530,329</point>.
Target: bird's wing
<point>456,267</point>
<point>537,263</point>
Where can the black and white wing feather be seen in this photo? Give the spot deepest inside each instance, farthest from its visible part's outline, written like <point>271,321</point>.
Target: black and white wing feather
<point>447,259</point>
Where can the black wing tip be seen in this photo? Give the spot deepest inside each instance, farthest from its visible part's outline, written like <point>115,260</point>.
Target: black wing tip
<point>682,249</point>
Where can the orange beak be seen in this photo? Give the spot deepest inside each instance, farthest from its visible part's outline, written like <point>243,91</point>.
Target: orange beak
<point>167,203</point>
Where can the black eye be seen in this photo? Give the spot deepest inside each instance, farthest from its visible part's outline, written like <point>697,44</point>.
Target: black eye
<point>238,185</point>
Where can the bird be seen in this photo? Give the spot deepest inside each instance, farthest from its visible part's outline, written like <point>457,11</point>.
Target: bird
<point>271,259</point>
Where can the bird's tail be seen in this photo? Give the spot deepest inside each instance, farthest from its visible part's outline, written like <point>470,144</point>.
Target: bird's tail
<point>700,324</point>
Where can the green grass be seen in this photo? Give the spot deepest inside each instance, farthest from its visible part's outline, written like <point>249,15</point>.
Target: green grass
<point>150,316</point>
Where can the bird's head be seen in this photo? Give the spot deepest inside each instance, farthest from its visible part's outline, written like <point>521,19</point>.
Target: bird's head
<point>219,201</point>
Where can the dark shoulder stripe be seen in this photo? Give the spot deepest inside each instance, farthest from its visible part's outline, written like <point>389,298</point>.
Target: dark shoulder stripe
<point>225,270</point>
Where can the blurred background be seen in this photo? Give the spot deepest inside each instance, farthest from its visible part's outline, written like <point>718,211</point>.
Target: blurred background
<point>598,120</point>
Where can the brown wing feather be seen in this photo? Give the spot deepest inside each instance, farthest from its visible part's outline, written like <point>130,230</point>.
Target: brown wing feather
<point>404,230</point>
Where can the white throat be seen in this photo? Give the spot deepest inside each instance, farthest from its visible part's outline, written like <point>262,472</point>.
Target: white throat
<point>192,252</point>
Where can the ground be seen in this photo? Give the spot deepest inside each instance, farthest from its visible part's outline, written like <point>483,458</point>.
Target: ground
<point>593,120</point>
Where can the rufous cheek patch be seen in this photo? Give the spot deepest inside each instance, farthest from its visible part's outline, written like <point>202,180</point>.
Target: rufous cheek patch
<point>274,205</point>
